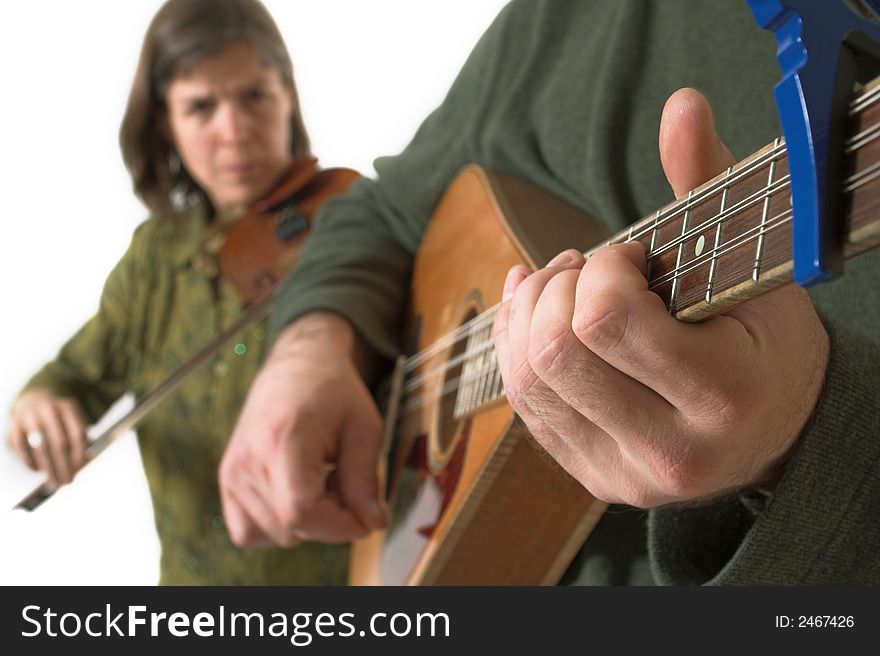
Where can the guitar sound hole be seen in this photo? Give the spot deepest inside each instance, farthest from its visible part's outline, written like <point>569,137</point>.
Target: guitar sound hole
<point>448,427</point>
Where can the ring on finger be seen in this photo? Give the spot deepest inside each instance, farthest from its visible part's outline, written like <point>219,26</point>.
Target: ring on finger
<point>35,439</point>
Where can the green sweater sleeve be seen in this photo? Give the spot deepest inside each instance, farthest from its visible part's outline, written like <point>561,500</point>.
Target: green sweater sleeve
<point>92,367</point>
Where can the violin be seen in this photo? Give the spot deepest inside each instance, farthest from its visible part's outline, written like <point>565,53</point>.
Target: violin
<point>252,254</point>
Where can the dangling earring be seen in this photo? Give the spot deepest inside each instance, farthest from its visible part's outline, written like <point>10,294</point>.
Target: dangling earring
<point>178,193</point>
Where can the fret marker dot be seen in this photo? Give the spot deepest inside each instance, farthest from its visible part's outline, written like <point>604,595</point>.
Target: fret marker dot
<point>701,243</point>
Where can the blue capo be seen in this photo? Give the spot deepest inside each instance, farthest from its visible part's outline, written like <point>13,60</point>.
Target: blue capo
<point>824,47</point>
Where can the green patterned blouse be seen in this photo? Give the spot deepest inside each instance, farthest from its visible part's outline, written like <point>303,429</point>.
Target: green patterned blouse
<point>156,310</point>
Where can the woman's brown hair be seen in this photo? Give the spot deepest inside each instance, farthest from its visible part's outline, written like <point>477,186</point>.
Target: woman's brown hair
<point>182,33</point>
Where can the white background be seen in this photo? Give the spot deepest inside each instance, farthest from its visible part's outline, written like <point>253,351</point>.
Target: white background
<point>368,72</point>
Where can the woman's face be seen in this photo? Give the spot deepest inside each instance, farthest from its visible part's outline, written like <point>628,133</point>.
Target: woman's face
<point>229,119</point>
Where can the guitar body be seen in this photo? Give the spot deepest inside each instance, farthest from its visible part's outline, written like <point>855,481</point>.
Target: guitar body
<point>473,500</point>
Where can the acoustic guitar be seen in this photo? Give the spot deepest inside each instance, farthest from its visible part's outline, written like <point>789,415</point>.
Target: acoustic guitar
<point>472,499</point>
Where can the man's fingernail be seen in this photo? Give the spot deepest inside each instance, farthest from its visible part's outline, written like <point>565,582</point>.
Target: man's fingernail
<point>514,277</point>
<point>570,256</point>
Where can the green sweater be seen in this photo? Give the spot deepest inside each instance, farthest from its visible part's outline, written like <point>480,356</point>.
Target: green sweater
<point>155,312</point>
<point>568,94</point>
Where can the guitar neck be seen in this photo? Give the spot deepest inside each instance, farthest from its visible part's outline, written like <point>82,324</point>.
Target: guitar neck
<point>728,241</point>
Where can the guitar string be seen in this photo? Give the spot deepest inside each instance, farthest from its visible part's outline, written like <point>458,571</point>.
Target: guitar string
<point>465,329</point>
<point>734,175</point>
<point>653,222</point>
<point>854,143</point>
<point>698,262</point>
<point>479,322</point>
<point>707,255</point>
<point>462,331</point>
<point>851,184</point>
<point>733,210</point>
<point>488,346</point>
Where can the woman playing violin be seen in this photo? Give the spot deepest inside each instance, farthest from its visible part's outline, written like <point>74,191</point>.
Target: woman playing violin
<point>212,128</point>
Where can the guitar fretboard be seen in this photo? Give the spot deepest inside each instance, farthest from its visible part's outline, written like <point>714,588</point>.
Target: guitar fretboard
<point>726,242</point>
